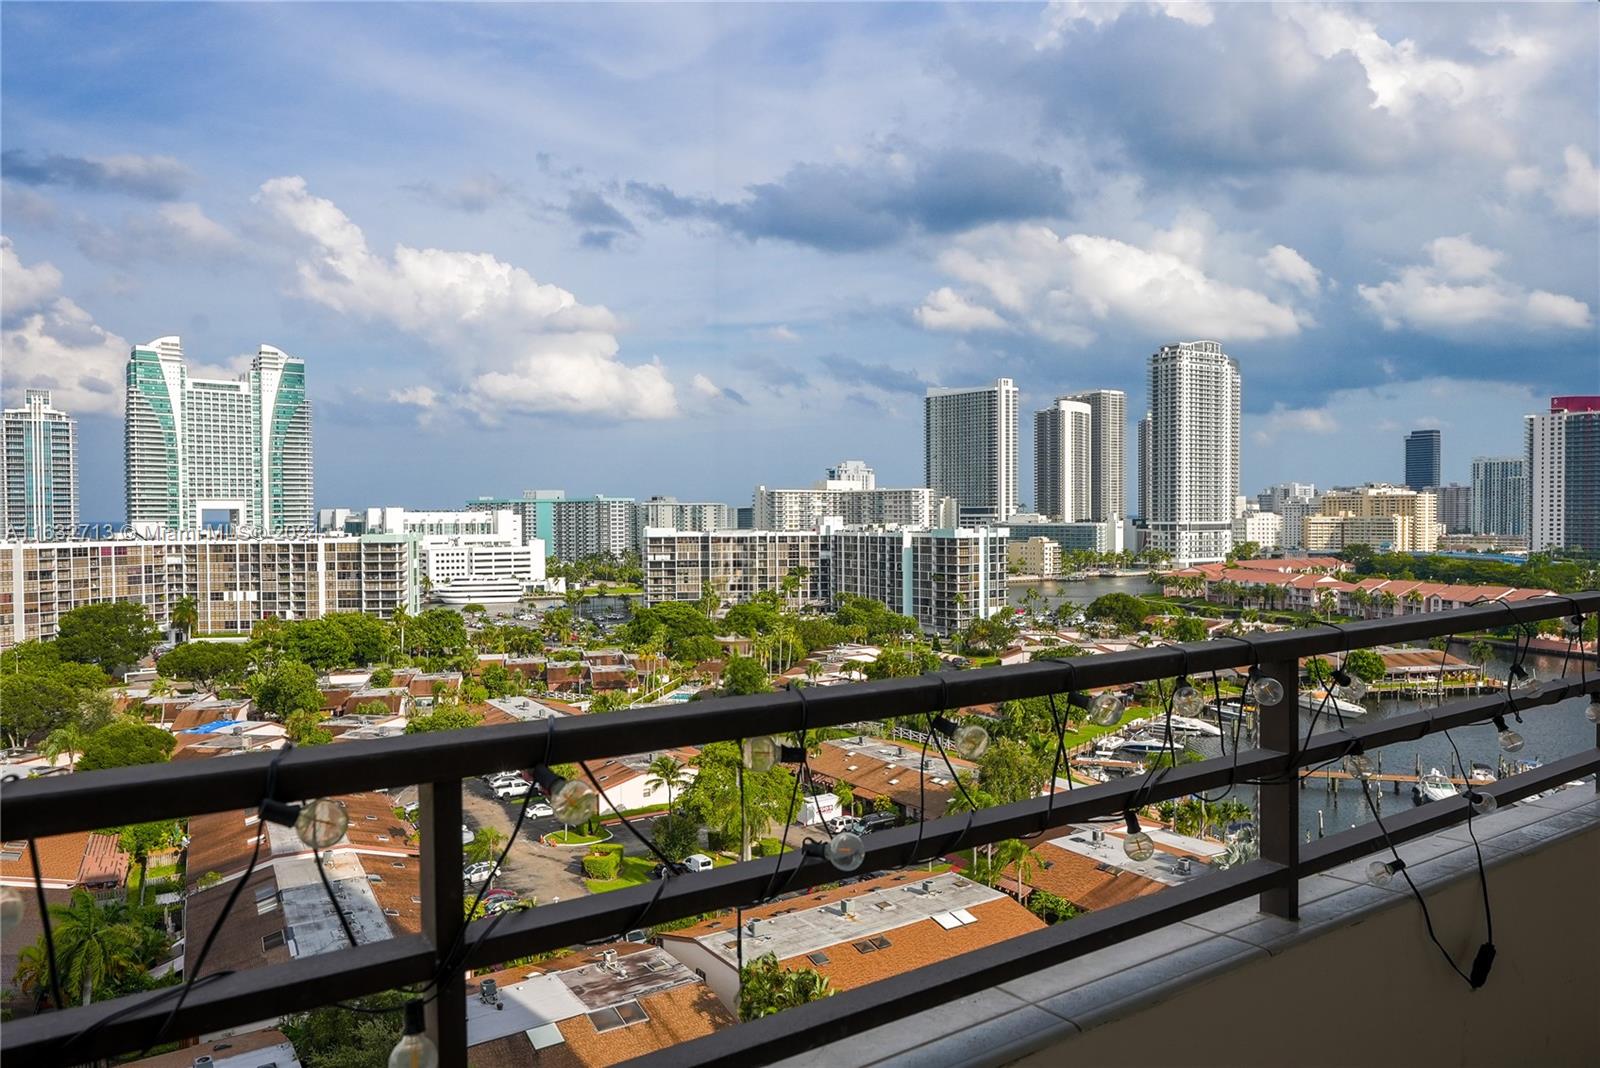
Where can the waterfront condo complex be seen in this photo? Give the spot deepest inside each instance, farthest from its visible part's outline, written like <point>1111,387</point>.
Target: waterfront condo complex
<point>970,449</point>
<point>1193,451</point>
<point>201,450</point>
<point>38,470</point>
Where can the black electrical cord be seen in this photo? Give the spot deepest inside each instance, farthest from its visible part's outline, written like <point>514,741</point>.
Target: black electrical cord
<point>1060,726</point>
<point>44,916</point>
<point>338,909</point>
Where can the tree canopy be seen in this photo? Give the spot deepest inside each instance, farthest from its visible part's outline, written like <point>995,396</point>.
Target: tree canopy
<point>1124,610</point>
<point>206,663</point>
<point>125,742</point>
<point>745,675</point>
<point>1009,771</point>
<point>112,635</point>
<point>288,686</point>
<point>40,694</point>
<point>766,987</point>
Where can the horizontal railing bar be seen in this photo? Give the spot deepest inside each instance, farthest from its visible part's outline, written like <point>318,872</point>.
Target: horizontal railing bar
<point>850,1012</point>
<point>61,804</point>
<point>1458,713</point>
<point>241,997</point>
<point>1357,842</point>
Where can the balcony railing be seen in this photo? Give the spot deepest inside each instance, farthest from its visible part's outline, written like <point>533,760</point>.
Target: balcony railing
<point>440,762</point>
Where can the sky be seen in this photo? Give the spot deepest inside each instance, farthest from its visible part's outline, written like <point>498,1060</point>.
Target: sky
<point>676,249</point>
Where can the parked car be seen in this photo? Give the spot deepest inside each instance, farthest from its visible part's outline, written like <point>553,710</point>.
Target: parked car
<point>512,788</point>
<point>636,936</point>
<point>540,810</point>
<point>697,862</point>
<point>497,893</point>
<point>483,870</point>
<point>874,821</point>
<point>505,904</point>
<point>467,835</point>
<point>835,824</point>
<point>503,776</point>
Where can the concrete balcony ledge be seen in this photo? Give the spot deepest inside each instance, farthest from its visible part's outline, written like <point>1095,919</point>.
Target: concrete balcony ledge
<point>1354,978</point>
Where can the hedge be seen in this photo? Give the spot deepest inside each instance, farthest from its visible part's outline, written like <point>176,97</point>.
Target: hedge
<point>601,865</point>
<point>609,847</point>
<point>767,847</point>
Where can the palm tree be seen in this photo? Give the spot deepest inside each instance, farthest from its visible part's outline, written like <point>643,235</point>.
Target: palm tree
<point>67,738</point>
<point>1327,600</point>
<point>485,845</point>
<point>1362,599</point>
<point>1015,851</point>
<point>90,947</point>
<point>185,616</point>
<point>160,686</point>
<point>1414,601</point>
<point>666,770</point>
<point>1388,600</point>
<point>1480,651</point>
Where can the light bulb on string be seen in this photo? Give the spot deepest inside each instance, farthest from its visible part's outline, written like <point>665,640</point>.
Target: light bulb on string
<point>845,851</point>
<point>1186,700</point>
<point>1382,872</point>
<point>1592,713</point>
<point>415,1049</point>
<point>11,909</point>
<point>1510,740</point>
<point>575,802</point>
<point>760,753</point>
<point>1106,709</point>
<point>1354,690</point>
<point>1137,845</point>
<point>1523,678</point>
<point>321,823</point>
<point>1266,691</point>
<point>1482,804</point>
<point>972,741</point>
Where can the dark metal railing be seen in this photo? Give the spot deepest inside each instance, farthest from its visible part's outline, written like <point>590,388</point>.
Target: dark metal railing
<point>439,763</point>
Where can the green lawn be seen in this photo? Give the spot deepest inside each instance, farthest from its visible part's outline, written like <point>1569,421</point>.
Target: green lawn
<point>574,838</point>
<point>631,872</point>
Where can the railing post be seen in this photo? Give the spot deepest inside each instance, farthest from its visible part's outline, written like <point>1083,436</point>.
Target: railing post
<point>439,805</point>
<point>1279,728</point>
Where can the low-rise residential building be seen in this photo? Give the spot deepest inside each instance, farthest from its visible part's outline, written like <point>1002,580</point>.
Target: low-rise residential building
<point>1300,585</point>
<point>1035,555</point>
<point>855,934</point>
<point>876,767</point>
<point>234,582</point>
<point>1263,528</point>
<point>591,1009</point>
<point>79,861</point>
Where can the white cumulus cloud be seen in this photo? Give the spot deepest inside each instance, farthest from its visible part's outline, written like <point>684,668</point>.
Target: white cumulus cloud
<point>1288,266</point>
<point>49,342</point>
<point>1579,190</point>
<point>1460,288</point>
<point>945,309</point>
<point>1064,287</point>
<point>516,344</point>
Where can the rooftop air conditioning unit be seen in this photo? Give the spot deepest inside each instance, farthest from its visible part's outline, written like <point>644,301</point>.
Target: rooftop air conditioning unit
<point>927,887</point>
<point>203,1061</point>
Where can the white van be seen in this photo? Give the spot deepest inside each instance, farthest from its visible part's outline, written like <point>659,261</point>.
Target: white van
<point>697,862</point>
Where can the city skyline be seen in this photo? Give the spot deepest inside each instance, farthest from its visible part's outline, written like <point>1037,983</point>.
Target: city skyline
<point>961,221</point>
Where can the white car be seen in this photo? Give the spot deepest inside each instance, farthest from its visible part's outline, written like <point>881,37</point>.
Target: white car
<point>467,835</point>
<point>512,788</point>
<point>539,810</point>
<point>482,871</point>
<point>697,862</point>
<point>502,776</point>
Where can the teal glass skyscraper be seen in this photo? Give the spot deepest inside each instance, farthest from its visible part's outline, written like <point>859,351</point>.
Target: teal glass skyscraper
<point>38,471</point>
<point>202,451</point>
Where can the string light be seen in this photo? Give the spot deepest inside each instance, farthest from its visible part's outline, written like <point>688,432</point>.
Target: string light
<point>1186,700</point>
<point>845,851</point>
<point>971,739</point>
<point>321,823</point>
<point>10,909</point>
<point>1523,678</point>
<point>1106,709</point>
<point>415,1049</point>
<point>1510,740</point>
<point>1266,691</point>
<point>760,753</point>
<point>1482,804</point>
<point>1382,872</point>
<point>1137,845</point>
<point>1592,713</point>
<point>573,800</point>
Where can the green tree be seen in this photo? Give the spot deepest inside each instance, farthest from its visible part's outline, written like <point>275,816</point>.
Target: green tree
<point>125,742</point>
<point>766,987</point>
<point>39,694</point>
<point>500,682</point>
<point>1318,670</point>
<point>1480,651</point>
<point>206,663</point>
<point>486,845</point>
<point>287,687</point>
<point>67,738</point>
<point>696,648</point>
<point>112,635</point>
<point>745,675</point>
<point>665,770</point>
<point>372,640</point>
<point>676,834</point>
<point>139,840</point>
<point>1049,907</point>
<point>185,617</point>
<point>383,677</point>
<point>1365,665</point>
<point>335,1037</point>
<point>1189,629</point>
<point>321,643</point>
<point>447,717</point>
<point>1010,772</point>
<point>713,797</point>
<point>1125,611</point>
<point>91,947</point>
<point>304,727</point>
<point>437,633</point>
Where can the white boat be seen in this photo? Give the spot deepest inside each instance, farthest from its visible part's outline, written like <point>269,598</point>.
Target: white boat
<point>479,591</point>
<point>1145,747</point>
<point>1190,725</point>
<point>1434,786</point>
<point>1313,700</point>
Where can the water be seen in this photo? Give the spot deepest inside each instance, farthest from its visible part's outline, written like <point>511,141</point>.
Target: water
<point>1550,732</point>
<point>1055,592</point>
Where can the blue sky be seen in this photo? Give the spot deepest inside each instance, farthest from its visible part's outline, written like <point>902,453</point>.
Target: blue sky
<point>681,249</point>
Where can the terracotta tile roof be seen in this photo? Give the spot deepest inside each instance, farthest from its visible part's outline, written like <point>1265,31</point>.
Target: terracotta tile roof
<point>1078,879</point>
<point>400,892</point>
<point>920,943</point>
<point>239,945</point>
<point>232,1046</point>
<point>220,842</point>
<point>898,779</point>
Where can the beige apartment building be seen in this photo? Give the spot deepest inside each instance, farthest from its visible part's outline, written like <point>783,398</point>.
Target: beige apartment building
<point>1034,556</point>
<point>1380,515</point>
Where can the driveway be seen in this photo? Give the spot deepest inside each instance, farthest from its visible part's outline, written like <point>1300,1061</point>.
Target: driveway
<point>549,873</point>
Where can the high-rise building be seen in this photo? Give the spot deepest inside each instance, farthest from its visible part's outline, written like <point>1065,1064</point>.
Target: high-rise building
<point>1062,488</point>
<point>1499,495</point>
<point>1422,459</point>
<point>1263,528</point>
<point>970,448</point>
<point>1271,499</point>
<point>536,507</point>
<point>38,470</point>
<point>1562,448</point>
<point>599,524</point>
<point>1108,429</point>
<point>1455,507</point>
<point>673,514</point>
<point>1144,467</point>
<point>1415,528</point>
<point>1194,451</point>
<point>803,509</point>
<point>199,451</point>
<point>855,472</point>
